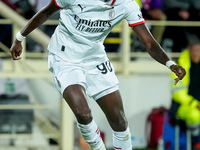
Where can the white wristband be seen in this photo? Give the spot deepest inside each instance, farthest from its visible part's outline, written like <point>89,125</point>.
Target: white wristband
<point>169,63</point>
<point>19,36</point>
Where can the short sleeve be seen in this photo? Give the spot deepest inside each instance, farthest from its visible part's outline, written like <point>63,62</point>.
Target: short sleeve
<point>133,13</point>
<point>62,3</point>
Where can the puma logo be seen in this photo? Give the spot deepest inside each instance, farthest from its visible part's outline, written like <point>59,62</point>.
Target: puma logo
<point>139,16</point>
<point>81,7</point>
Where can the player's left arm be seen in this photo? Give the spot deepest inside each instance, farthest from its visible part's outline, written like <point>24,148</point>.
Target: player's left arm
<point>156,51</point>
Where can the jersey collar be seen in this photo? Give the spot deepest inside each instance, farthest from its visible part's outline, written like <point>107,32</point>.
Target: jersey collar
<point>112,2</point>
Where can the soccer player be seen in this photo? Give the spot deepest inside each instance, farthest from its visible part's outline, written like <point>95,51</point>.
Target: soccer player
<point>80,65</point>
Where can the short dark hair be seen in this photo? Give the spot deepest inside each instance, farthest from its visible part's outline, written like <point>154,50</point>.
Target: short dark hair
<point>194,41</point>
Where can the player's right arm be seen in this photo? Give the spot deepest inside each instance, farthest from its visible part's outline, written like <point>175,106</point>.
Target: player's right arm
<point>37,20</point>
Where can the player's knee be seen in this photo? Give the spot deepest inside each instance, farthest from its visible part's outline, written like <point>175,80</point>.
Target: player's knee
<point>119,122</point>
<point>83,116</point>
<point>120,125</point>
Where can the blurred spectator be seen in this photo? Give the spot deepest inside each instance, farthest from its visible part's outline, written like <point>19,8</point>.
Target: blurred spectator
<point>27,6</point>
<point>180,10</point>
<point>194,16</point>
<point>186,94</point>
<point>152,10</point>
<point>13,5</point>
<point>22,7</point>
<point>6,30</point>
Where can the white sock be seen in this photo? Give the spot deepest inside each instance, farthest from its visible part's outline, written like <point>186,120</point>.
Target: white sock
<point>91,134</point>
<point>122,140</point>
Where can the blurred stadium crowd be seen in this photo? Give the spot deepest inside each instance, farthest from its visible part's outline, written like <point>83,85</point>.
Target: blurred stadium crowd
<point>172,38</point>
<point>25,8</point>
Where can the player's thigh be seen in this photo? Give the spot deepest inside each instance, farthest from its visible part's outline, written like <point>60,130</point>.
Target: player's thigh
<point>71,83</point>
<point>112,106</point>
<point>75,97</point>
<point>111,102</point>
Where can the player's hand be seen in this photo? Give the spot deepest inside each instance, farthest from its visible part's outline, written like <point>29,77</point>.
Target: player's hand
<point>179,71</point>
<point>16,50</point>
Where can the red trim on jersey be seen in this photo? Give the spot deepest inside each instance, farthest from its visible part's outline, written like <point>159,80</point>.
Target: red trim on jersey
<point>97,131</point>
<point>112,2</point>
<point>134,24</point>
<point>117,148</point>
<point>57,4</point>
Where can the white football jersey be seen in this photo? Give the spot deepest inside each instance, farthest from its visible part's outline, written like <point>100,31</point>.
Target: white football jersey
<point>84,25</point>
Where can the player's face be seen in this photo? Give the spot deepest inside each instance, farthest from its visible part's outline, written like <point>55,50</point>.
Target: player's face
<point>195,53</point>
